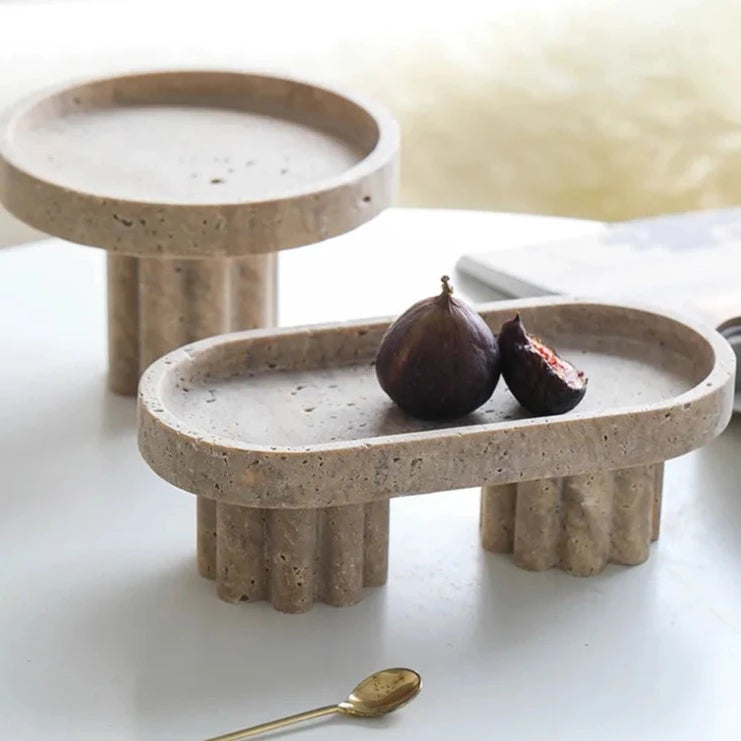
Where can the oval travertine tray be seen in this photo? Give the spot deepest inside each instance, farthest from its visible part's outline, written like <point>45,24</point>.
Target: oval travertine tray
<point>289,432</point>
<point>301,421</point>
<point>196,163</point>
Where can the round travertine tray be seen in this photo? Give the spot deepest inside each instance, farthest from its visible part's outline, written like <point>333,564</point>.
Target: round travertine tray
<point>196,164</point>
<point>192,181</point>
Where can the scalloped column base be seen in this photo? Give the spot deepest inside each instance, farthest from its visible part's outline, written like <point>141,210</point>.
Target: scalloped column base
<point>577,523</point>
<point>293,558</point>
<point>158,304</point>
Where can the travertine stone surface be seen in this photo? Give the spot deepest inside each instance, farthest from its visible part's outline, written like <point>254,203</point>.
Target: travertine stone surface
<point>180,301</point>
<point>253,291</point>
<point>290,437</point>
<point>497,517</point>
<point>343,546</point>
<point>250,300</point>
<point>633,514</point>
<point>158,304</point>
<point>656,514</point>
<point>241,572</point>
<point>578,523</point>
<point>123,324</point>
<point>197,164</point>
<point>206,523</point>
<point>294,558</point>
<point>376,538</point>
<point>295,417</point>
<point>538,524</point>
<point>587,513</point>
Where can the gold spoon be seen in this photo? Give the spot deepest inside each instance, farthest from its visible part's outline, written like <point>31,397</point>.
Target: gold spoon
<point>378,694</point>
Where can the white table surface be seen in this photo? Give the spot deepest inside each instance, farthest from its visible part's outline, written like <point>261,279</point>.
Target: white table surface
<point>107,632</point>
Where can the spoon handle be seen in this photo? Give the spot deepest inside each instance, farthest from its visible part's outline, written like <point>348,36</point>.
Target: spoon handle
<point>273,725</point>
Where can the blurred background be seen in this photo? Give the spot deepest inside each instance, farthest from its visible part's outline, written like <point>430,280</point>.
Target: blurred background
<point>605,109</point>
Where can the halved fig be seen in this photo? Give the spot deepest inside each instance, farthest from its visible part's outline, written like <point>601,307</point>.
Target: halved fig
<point>538,378</point>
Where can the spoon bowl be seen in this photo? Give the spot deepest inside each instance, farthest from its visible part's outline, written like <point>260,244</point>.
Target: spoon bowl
<point>382,692</point>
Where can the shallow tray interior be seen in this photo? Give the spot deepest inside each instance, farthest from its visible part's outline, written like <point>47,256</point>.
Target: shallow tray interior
<point>198,138</point>
<point>293,390</point>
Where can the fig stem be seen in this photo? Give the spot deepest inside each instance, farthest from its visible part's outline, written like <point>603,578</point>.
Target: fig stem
<point>447,288</point>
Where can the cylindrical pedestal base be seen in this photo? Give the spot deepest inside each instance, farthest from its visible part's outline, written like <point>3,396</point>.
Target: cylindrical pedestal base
<point>123,324</point>
<point>497,519</point>
<point>206,537</point>
<point>297,557</point>
<point>158,304</point>
<point>587,503</point>
<point>376,539</point>
<point>632,517</point>
<point>579,523</point>
<point>537,524</point>
<point>180,301</point>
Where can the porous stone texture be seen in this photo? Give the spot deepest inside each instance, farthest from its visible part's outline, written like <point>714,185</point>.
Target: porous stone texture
<point>299,420</point>
<point>158,304</point>
<point>296,557</point>
<point>206,518</point>
<point>197,164</point>
<point>123,324</point>
<point>577,523</point>
<point>289,434</point>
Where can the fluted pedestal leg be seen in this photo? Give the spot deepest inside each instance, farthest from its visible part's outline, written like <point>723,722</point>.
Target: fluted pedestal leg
<point>180,301</point>
<point>206,525</point>
<point>295,557</point>
<point>343,547</point>
<point>253,292</point>
<point>537,524</point>
<point>497,519</point>
<point>158,304</point>
<point>376,538</point>
<point>633,511</point>
<point>587,503</point>
<point>578,523</point>
<point>123,324</point>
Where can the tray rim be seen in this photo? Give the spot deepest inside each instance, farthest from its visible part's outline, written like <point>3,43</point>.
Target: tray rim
<point>380,161</point>
<point>715,391</point>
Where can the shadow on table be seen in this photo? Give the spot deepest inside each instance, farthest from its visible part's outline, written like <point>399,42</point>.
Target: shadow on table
<point>117,413</point>
<point>80,415</point>
<point>557,635</point>
<point>718,486</point>
<point>190,664</point>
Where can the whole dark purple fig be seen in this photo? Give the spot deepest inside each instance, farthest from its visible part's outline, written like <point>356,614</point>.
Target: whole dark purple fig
<point>439,360</point>
<point>540,380</point>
